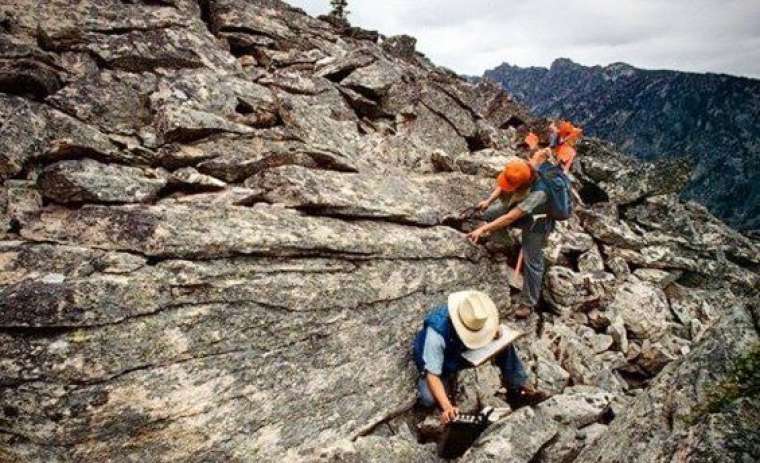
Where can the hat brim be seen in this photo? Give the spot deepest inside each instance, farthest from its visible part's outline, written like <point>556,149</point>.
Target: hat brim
<point>474,339</point>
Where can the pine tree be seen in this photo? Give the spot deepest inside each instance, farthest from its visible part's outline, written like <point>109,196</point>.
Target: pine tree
<point>339,9</point>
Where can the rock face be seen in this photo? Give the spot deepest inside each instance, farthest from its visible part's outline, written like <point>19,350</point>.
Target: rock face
<point>665,422</point>
<point>94,182</point>
<point>222,222</point>
<point>653,114</point>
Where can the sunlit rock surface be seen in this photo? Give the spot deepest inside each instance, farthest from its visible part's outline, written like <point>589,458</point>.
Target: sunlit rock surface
<point>222,222</point>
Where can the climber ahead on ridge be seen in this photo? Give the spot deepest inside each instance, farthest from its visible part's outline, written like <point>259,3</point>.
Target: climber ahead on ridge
<point>533,195</point>
<point>562,139</point>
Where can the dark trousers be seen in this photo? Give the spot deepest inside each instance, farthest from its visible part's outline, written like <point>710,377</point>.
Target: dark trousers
<point>533,243</point>
<point>509,363</point>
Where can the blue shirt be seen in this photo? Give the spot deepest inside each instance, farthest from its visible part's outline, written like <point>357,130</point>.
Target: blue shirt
<point>432,352</point>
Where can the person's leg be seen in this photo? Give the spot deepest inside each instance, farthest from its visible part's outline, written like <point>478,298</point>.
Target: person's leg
<point>512,369</point>
<point>533,254</point>
<point>514,377</point>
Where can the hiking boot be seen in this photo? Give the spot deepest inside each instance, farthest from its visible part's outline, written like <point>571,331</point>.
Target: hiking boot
<point>523,311</point>
<point>527,395</point>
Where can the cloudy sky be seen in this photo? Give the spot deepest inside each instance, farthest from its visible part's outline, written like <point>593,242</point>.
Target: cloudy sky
<point>470,36</point>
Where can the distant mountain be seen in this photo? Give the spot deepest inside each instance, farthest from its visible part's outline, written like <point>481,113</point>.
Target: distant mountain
<point>651,114</point>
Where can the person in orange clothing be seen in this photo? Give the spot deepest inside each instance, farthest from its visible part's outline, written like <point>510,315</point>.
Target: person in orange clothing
<point>562,138</point>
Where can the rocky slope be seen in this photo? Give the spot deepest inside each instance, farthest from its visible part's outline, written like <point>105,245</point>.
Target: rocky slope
<point>709,117</point>
<point>222,222</point>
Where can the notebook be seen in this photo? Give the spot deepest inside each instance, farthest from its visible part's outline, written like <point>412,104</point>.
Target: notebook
<point>478,356</point>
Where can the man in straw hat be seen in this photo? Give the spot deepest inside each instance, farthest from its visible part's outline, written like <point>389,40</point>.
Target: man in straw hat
<point>469,321</point>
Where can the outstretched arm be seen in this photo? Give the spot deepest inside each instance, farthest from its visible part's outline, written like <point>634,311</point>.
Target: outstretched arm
<point>433,358</point>
<point>448,412</point>
<point>483,205</point>
<point>502,222</point>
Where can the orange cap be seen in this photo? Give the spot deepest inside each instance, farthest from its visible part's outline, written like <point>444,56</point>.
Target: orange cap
<point>531,140</point>
<point>516,174</point>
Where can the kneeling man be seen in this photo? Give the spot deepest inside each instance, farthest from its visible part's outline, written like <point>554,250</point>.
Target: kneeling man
<point>470,320</point>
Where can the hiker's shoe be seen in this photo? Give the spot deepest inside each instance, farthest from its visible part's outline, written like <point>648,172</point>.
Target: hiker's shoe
<point>523,311</point>
<point>527,395</point>
<point>533,396</point>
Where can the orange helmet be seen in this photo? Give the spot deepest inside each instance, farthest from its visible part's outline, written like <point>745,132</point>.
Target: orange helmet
<point>531,140</point>
<point>516,174</point>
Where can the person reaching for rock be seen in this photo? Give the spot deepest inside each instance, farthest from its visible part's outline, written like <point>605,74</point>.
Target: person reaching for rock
<point>524,203</point>
<point>469,320</point>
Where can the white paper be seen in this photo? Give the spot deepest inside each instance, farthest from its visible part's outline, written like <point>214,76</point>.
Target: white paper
<point>479,356</point>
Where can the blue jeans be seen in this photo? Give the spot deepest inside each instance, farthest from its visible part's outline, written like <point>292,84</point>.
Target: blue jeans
<point>509,363</point>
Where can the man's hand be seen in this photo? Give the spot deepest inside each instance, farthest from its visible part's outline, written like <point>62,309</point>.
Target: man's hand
<point>448,414</point>
<point>483,205</point>
<point>539,157</point>
<point>476,234</point>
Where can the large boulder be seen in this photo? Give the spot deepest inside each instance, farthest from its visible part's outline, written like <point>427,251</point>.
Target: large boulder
<point>427,200</point>
<point>373,80</point>
<point>91,181</point>
<point>32,131</point>
<point>195,231</point>
<point>578,406</point>
<point>514,439</point>
<point>643,308</point>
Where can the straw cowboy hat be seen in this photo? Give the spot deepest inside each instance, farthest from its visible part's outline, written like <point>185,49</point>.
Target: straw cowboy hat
<point>474,316</point>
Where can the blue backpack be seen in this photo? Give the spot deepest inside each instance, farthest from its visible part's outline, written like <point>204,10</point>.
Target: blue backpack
<point>554,182</point>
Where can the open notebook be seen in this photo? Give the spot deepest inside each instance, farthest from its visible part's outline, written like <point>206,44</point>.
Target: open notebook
<point>479,356</point>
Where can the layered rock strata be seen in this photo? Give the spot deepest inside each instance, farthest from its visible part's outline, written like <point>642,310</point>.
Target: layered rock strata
<point>221,223</point>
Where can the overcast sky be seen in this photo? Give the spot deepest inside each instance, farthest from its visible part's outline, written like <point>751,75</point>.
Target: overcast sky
<point>470,36</point>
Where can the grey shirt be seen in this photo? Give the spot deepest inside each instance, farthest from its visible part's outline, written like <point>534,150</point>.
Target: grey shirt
<point>532,202</point>
<point>527,203</point>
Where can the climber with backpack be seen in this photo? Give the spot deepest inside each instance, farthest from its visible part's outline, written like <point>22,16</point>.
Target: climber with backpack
<point>534,194</point>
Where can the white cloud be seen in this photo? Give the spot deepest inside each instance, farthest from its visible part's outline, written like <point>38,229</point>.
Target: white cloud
<point>473,35</point>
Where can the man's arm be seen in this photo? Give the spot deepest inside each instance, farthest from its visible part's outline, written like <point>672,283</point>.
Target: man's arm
<point>433,358</point>
<point>483,205</point>
<point>448,412</point>
<point>502,222</point>
<point>526,206</point>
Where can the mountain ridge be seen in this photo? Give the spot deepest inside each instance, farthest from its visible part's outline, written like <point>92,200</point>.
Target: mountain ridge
<point>565,60</point>
<point>660,113</point>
